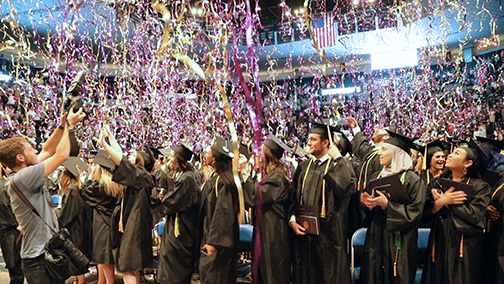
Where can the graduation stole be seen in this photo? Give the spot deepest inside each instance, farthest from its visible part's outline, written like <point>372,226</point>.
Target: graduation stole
<point>364,169</point>
<point>397,234</point>
<point>323,208</point>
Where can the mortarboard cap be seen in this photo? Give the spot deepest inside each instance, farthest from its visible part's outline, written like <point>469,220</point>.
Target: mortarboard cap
<point>244,151</point>
<point>104,160</point>
<point>478,156</point>
<point>276,146</point>
<point>432,147</point>
<point>184,152</point>
<point>299,151</point>
<point>165,152</point>
<point>75,166</point>
<point>491,144</point>
<point>344,145</point>
<point>460,143</point>
<point>322,129</point>
<point>222,147</point>
<point>148,158</point>
<point>447,146</point>
<point>155,152</point>
<point>400,141</point>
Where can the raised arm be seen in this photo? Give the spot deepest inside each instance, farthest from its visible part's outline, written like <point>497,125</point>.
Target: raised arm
<point>52,143</point>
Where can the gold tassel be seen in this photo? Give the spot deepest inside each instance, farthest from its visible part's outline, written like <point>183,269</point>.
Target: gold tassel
<point>395,269</point>
<point>433,252</point>
<point>177,226</point>
<point>323,209</point>
<point>462,246</point>
<point>121,228</point>
<point>488,225</point>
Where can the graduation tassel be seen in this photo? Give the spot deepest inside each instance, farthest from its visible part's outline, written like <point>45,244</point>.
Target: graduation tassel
<point>398,248</point>
<point>424,166</point>
<point>488,225</point>
<point>121,228</point>
<point>433,252</point>
<point>177,226</point>
<point>323,209</point>
<point>462,246</point>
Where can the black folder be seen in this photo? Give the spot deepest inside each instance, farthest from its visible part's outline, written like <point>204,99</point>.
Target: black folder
<point>393,187</point>
<point>308,216</point>
<point>467,188</point>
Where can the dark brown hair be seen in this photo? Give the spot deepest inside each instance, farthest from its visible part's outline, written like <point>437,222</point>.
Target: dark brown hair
<point>9,149</point>
<point>271,163</point>
<point>183,164</point>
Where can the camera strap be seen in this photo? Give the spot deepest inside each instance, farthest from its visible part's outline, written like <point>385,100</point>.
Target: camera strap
<point>27,202</point>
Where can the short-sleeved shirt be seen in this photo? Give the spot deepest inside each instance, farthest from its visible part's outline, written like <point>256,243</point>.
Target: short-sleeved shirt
<point>30,181</point>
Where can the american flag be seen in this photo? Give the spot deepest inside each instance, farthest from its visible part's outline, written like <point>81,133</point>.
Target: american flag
<point>324,30</point>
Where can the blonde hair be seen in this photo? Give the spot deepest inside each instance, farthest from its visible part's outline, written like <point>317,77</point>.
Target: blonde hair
<point>67,179</point>
<point>109,187</point>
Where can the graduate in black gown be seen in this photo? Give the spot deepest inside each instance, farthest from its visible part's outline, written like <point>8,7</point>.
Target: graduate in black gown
<point>219,209</point>
<point>10,233</point>
<point>493,235</point>
<point>75,214</point>
<point>391,240</point>
<point>180,205</point>
<point>456,238</point>
<point>132,217</point>
<point>326,181</point>
<point>275,261</point>
<point>431,165</point>
<point>101,194</point>
<point>367,154</point>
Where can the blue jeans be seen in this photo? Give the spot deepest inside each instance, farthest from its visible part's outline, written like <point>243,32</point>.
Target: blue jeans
<point>35,271</point>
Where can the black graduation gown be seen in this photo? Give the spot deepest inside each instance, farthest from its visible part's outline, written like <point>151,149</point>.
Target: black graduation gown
<point>450,226</point>
<point>178,253</point>
<point>102,207</point>
<point>75,215</point>
<point>134,251</point>
<point>493,239</point>
<point>323,258</point>
<point>395,225</point>
<point>275,261</point>
<point>220,229</point>
<point>369,164</point>
<point>428,219</point>
<point>161,182</point>
<point>432,180</point>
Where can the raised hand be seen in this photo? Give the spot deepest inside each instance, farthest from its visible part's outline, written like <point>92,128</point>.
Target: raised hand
<point>351,122</point>
<point>74,118</point>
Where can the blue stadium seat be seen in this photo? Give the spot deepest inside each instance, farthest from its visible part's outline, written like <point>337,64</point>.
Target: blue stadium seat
<point>423,238</point>
<point>246,232</point>
<point>358,239</point>
<point>422,242</point>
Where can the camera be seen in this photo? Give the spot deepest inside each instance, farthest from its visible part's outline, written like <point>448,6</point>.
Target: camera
<point>74,100</point>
